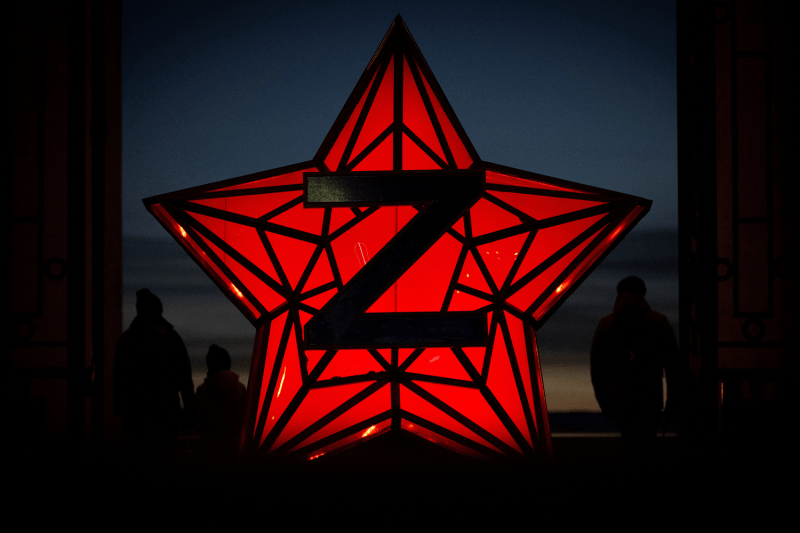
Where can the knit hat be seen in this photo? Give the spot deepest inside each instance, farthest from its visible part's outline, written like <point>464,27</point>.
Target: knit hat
<point>148,304</point>
<point>217,359</point>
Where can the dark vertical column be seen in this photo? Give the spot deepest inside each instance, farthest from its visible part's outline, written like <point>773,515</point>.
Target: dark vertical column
<point>76,232</point>
<point>98,134</point>
<point>734,175</point>
<point>697,212</point>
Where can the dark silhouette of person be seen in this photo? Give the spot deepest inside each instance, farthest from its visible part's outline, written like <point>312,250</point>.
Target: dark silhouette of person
<point>221,402</point>
<point>631,349</point>
<point>151,368</point>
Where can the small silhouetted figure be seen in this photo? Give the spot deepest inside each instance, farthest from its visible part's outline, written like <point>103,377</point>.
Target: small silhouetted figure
<point>631,349</point>
<point>220,404</point>
<point>151,369</point>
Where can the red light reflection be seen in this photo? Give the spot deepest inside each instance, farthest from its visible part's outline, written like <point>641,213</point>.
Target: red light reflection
<point>513,255</point>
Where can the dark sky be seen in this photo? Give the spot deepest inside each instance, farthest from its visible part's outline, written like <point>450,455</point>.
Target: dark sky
<point>584,91</point>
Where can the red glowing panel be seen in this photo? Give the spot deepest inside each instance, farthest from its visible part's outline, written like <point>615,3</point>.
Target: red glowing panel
<point>425,411</point>
<point>375,404</point>
<point>321,274</point>
<point>514,255</point>
<point>414,158</point>
<point>294,177</point>
<point>424,286</point>
<point>454,141</point>
<point>471,274</point>
<point>333,159</point>
<point>438,362</point>
<point>379,158</point>
<point>380,115</point>
<point>543,207</point>
<point>487,218</point>
<point>315,408</point>
<point>549,241</point>
<point>348,363</point>
<point>505,382</point>
<point>415,116</point>
<point>318,300</point>
<point>528,182</point>
<point>499,256</point>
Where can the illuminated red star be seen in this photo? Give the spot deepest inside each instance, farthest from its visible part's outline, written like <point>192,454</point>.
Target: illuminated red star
<point>515,255</point>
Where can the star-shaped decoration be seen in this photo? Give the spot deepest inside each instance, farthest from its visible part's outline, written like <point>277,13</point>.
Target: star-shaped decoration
<point>515,256</point>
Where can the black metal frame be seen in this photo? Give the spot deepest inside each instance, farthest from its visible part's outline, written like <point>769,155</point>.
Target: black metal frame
<point>396,44</point>
<point>620,213</point>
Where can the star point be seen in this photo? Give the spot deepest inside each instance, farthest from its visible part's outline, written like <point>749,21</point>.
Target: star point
<point>514,256</point>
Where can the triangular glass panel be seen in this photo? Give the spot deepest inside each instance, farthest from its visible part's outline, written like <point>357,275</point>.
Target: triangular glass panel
<point>414,158</point>
<point>262,293</point>
<point>379,159</point>
<point>590,259</point>
<point>293,255</point>
<point>274,337</point>
<point>320,299</point>
<point>494,177</point>
<point>314,407</point>
<point>516,330</point>
<point>252,205</point>
<point>528,294</point>
<point>499,256</point>
<point>423,286</point>
<point>471,275</point>
<point>299,218</point>
<point>549,240</point>
<point>457,147</point>
<point>243,239</point>
<point>459,226</point>
<point>339,217</point>
<point>416,405</point>
<point>376,403</point>
<point>386,302</point>
<point>471,404</point>
<point>403,354</point>
<point>543,207</point>
<point>475,355</point>
<point>333,158</point>
<point>415,116</point>
<point>350,363</point>
<point>380,115</point>
<point>320,275</point>
<point>503,385</point>
<point>487,217</point>
<point>287,385</point>
<point>290,178</point>
<point>462,301</point>
<point>438,362</point>
<point>373,233</point>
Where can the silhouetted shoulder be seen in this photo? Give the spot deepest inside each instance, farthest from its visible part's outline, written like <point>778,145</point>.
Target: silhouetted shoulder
<point>605,323</point>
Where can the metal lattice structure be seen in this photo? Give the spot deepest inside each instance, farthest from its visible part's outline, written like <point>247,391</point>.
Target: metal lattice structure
<point>286,254</point>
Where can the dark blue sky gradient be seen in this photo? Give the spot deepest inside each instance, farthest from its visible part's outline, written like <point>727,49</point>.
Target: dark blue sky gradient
<point>583,91</point>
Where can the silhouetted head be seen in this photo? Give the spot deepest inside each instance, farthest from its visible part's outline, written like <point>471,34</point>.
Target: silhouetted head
<point>217,359</point>
<point>633,285</point>
<point>147,304</point>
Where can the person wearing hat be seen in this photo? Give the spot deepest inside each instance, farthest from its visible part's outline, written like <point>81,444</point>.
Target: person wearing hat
<point>221,402</point>
<point>631,350</point>
<point>151,370</point>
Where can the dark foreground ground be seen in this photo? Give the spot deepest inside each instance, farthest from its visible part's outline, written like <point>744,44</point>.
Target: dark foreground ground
<point>400,476</point>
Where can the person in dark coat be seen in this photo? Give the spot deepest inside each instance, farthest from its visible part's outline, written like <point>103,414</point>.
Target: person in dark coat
<point>631,349</point>
<point>151,370</point>
<point>221,402</point>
